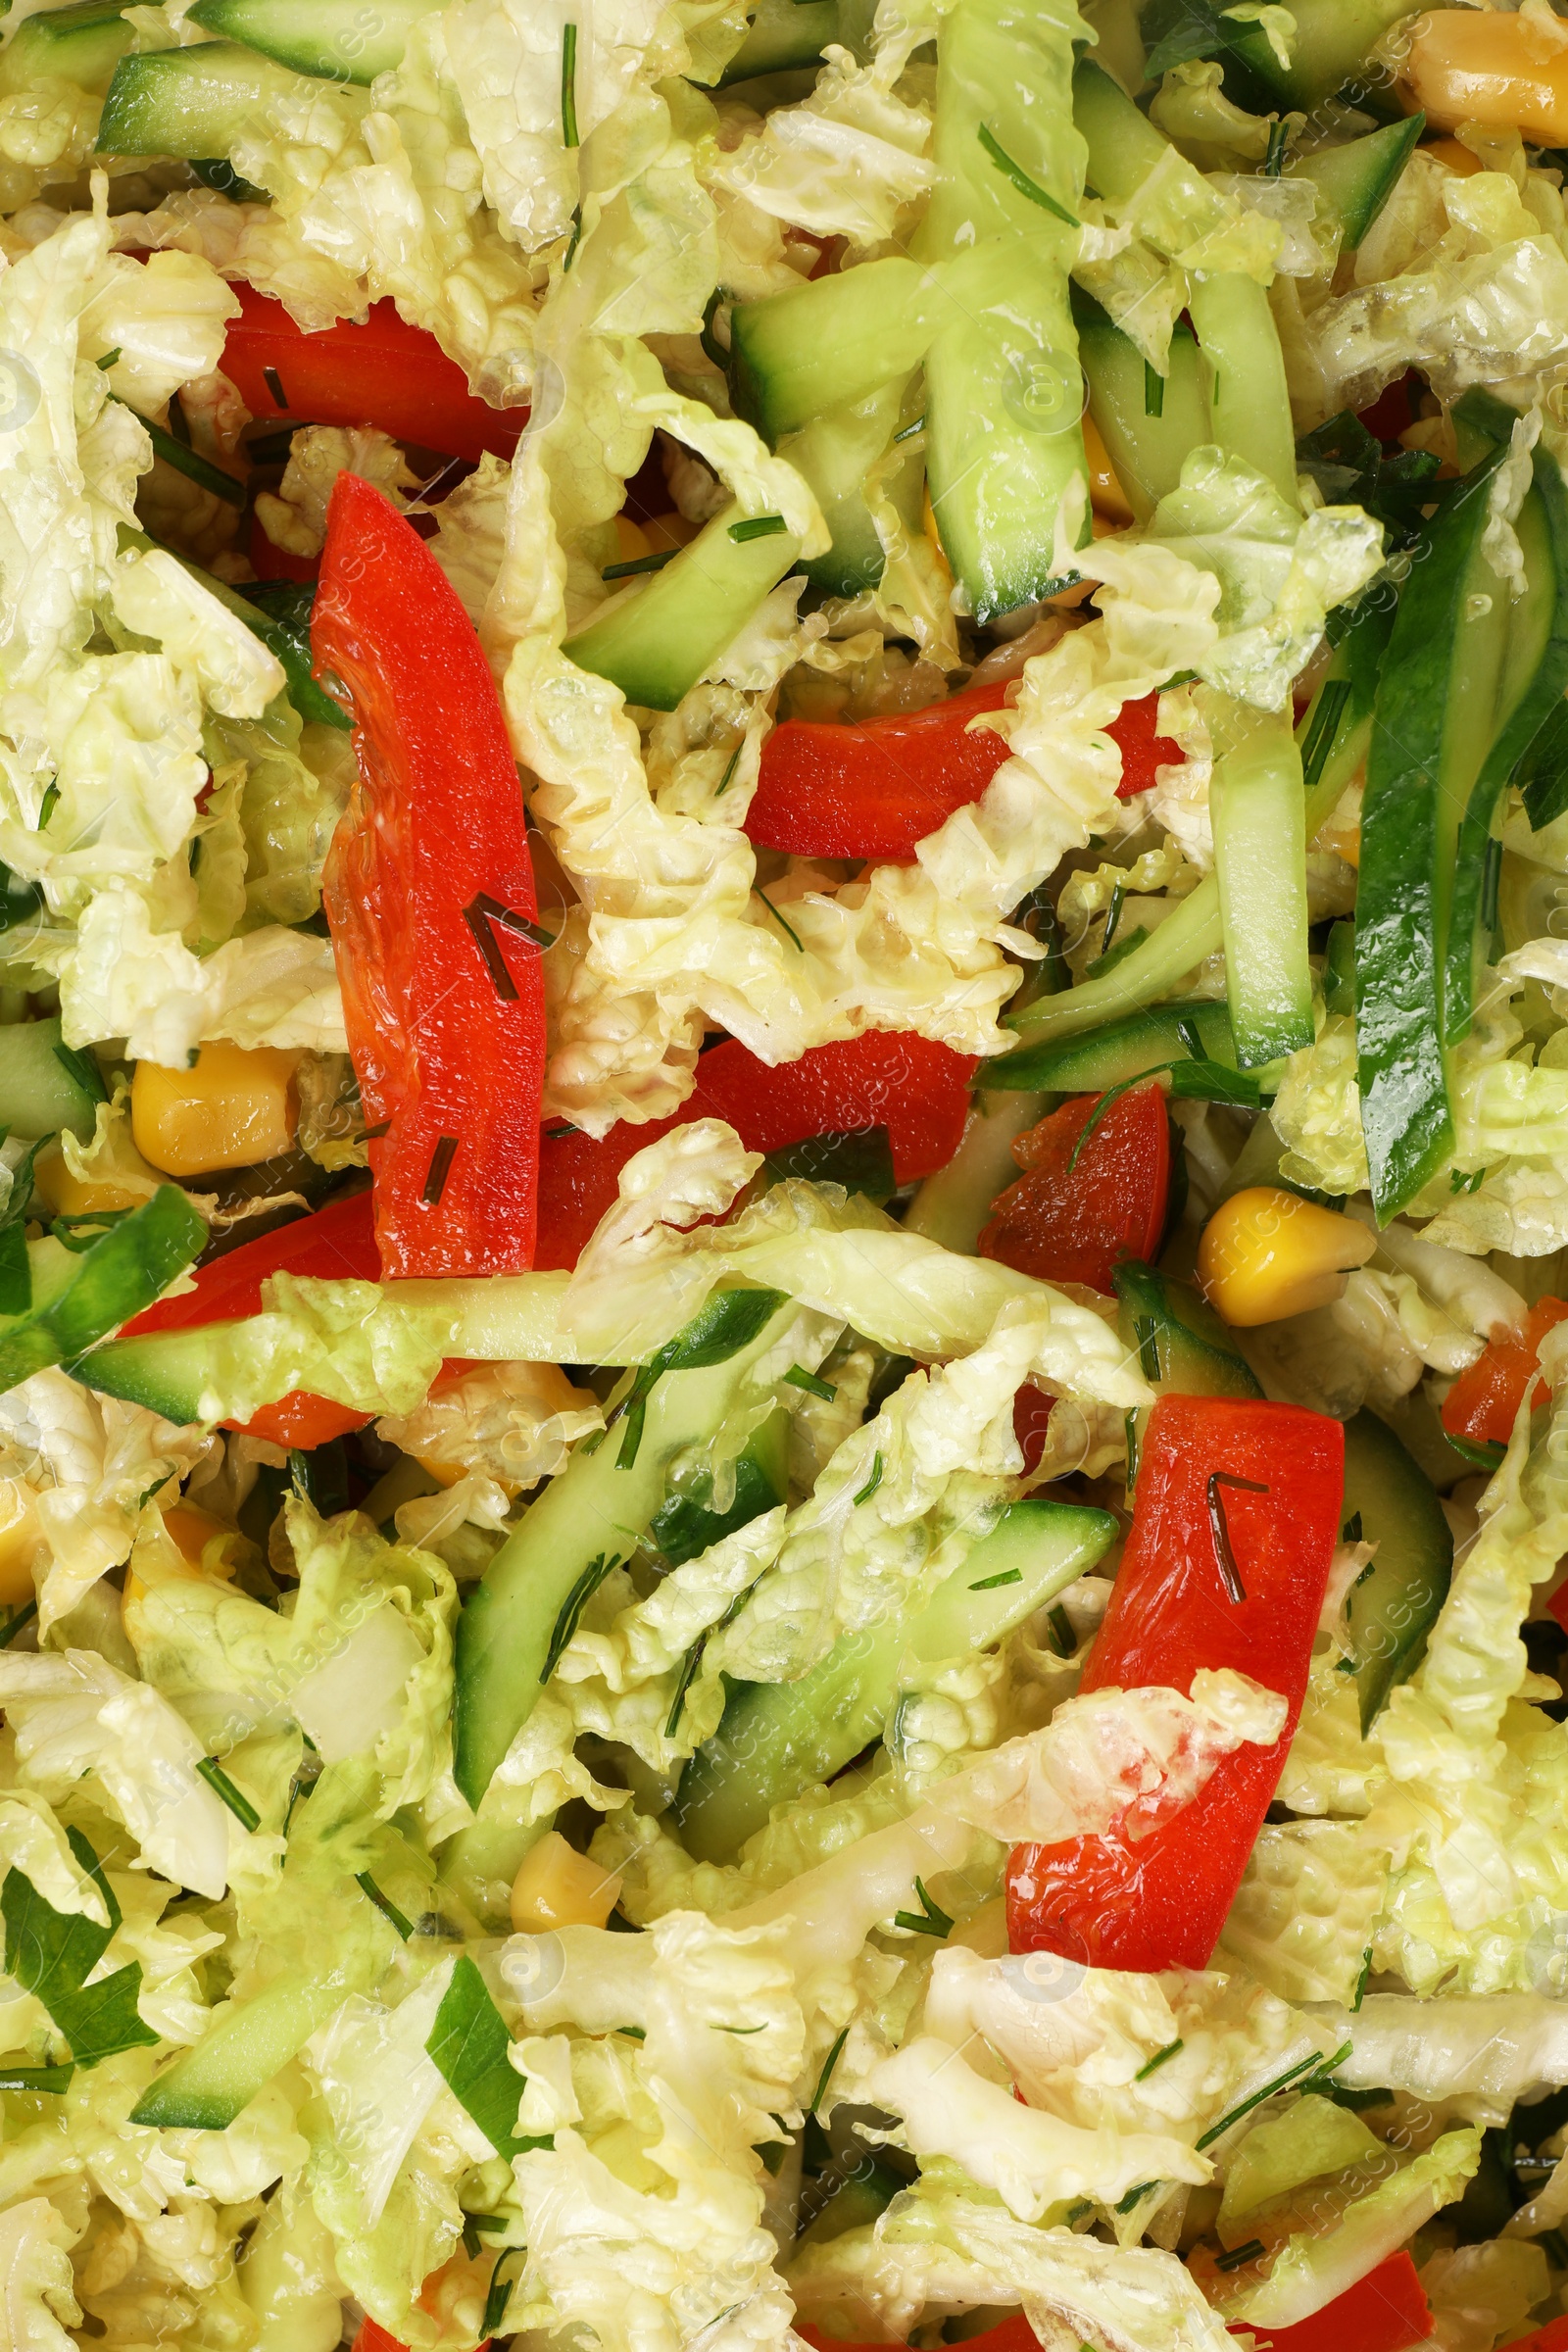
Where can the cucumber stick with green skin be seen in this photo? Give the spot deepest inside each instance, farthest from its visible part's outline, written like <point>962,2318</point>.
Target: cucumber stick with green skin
<point>593,1515</point>
<point>44,1087</point>
<point>1259,817</point>
<point>1434,723</point>
<point>342,41</point>
<point>80,1294</point>
<point>833,454</point>
<point>81,44</point>
<point>832,342</point>
<point>1003,392</point>
<point>1169,952</point>
<point>1394,1601</point>
<point>1248,398</point>
<point>194,103</point>
<point>1354,182</point>
<point>1146,450</point>
<point>660,635</point>
<point>1535,678</point>
<point>242,2051</point>
<point>776,1739</point>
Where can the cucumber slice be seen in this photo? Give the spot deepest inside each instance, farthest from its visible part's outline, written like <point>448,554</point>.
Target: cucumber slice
<point>658,638</point>
<point>785,35</point>
<point>1332,40</point>
<point>1260,813</point>
<point>831,343</point>
<point>1394,1603</point>
<point>685,1525</point>
<point>1353,183</point>
<point>342,41</point>
<point>1147,451</point>
<point>834,453</point>
<point>240,2052</point>
<point>79,1296</point>
<point>591,1516</point>
<point>1248,397</point>
<point>1004,382</point>
<point>1436,716</point>
<point>1182,1346</point>
<point>1131,1048</point>
<point>777,1738</point>
<point>46,1088</point>
<point>188,102</point>
<point>1534,682</point>
<point>81,44</point>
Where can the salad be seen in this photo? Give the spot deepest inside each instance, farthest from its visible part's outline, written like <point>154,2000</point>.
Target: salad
<point>784,1119</point>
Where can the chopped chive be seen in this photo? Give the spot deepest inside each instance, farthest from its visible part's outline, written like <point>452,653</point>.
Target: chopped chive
<point>1190,1035</point>
<point>929,1920</point>
<point>757,526</point>
<point>907,432</point>
<point>728,777</point>
<point>1278,140</point>
<point>572,1607</point>
<point>1238,2256</point>
<point>510,921</point>
<point>797,1377</point>
<point>489,946</point>
<point>185,461</point>
<point>576,238</point>
<point>110,359</point>
<point>274,384</point>
<point>1360,1982</point>
<point>638,564</point>
<point>383,1903</point>
<point>499,2292</point>
<point>1325,726</point>
<point>1219,1528</point>
<point>1021,179</point>
<point>441,1158</point>
<point>47,806</point>
<point>12,1625</point>
<point>828,2064</point>
<point>1063,1641</point>
<point>873,1481</point>
<point>1113,914</point>
<point>787,928</point>
<point>1350,1532</point>
<point>1134,2195</point>
<point>633,2033</point>
<point>1280,2082</point>
<point>1112,1093</point>
<point>222,1787</point>
<point>1153,391</point>
<point>1130,1428</point>
<point>569,87</point>
<point>50,2078</point>
<point>373,1134</point>
<point>1491,875</point>
<point>1159,2059</point>
<point>1004,1576</point>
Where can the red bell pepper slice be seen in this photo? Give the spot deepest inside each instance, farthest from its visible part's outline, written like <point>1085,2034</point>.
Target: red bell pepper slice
<point>917,1090</point>
<point>428,885</point>
<point>1159,1901</point>
<point>1094,1190</point>
<point>1387,2311</point>
<point>877,787</point>
<point>1483,1402</point>
<point>1554,2337</point>
<point>335,1245</point>
<point>384,372</point>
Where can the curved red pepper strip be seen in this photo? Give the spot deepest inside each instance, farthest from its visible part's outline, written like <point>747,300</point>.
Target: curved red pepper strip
<point>426,880</point>
<point>1483,1400</point>
<point>877,787</point>
<point>1071,1219</point>
<point>917,1090</point>
<point>1387,2311</point>
<point>382,372</point>
<point>1159,1900</point>
<point>335,1245</point>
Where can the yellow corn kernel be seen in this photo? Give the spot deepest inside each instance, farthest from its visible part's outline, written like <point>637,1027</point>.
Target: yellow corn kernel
<point>634,540</point>
<point>66,1195</point>
<point>1505,72</point>
<point>559,1888</point>
<point>1105,493</point>
<point>18,1542</point>
<point>669,530</point>
<point>236,1107</point>
<point>1267,1254</point>
<point>191,1547</point>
